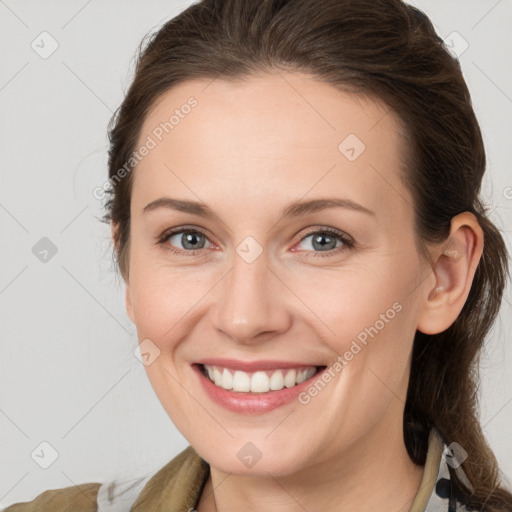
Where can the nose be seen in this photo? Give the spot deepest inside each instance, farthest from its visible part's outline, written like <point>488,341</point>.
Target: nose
<point>253,303</point>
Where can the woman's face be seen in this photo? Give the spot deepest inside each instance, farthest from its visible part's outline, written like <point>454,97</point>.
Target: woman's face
<point>252,276</point>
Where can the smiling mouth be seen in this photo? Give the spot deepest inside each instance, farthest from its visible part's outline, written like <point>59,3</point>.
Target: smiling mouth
<point>261,381</point>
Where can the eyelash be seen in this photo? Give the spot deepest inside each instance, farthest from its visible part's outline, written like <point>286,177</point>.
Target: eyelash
<point>348,242</point>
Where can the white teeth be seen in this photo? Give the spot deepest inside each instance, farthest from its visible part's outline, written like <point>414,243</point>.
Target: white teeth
<point>301,376</point>
<point>260,381</point>
<point>227,379</point>
<point>217,377</point>
<point>289,379</point>
<point>309,373</point>
<point>241,381</point>
<point>277,381</point>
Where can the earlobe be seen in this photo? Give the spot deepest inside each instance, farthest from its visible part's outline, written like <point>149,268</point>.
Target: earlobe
<point>454,272</point>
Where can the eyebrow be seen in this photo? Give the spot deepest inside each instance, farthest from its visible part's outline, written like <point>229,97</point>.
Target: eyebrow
<point>297,209</point>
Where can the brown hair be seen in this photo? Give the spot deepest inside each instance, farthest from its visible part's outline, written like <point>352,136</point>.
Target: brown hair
<point>388,50</point>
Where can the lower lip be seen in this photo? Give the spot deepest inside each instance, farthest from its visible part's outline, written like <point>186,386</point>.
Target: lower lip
<point>251,403</point>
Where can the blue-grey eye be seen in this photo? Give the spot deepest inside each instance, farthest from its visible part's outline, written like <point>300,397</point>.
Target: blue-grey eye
<point>321,241</point>
<point>190,240</point>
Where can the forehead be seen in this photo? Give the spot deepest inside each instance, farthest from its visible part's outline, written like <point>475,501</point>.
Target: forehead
<point>285,132</point>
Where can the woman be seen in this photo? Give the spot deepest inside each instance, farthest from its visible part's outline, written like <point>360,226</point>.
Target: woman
<point>295,211</point>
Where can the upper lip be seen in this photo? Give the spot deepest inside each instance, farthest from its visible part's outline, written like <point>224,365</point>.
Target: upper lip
<point>251,366</point>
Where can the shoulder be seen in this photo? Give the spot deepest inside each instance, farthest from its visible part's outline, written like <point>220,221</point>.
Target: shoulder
<point>177,486</point>
<point>80,498</point>
<point>181,478</point>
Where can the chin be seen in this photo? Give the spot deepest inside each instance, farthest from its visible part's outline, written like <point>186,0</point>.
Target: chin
<point>249,460</point>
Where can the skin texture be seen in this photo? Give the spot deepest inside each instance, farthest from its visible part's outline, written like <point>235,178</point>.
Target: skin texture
<point>248,150</point>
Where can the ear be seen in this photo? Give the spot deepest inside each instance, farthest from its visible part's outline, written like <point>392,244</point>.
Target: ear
<point>454,271</point>
<point>128,301</point>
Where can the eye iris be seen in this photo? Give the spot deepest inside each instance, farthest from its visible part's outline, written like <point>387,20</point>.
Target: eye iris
<point>330,244</point>
<point>189,240</point>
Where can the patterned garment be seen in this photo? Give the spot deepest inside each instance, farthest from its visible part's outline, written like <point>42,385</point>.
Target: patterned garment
<point>443,497</point>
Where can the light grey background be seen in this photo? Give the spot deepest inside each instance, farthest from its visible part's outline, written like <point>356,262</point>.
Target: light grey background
<point>67,372</point>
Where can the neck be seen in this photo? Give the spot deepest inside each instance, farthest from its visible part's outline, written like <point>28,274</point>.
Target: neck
<point>376,470</point>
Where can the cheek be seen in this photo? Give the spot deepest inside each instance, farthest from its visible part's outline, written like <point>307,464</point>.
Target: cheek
<point>366,312</point>
<point>166,301</point>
